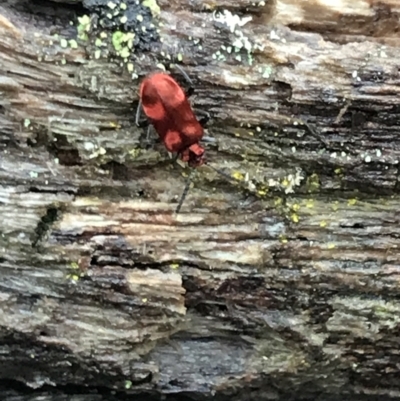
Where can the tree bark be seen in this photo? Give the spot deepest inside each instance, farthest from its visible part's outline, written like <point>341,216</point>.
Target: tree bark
<point>281,283</point>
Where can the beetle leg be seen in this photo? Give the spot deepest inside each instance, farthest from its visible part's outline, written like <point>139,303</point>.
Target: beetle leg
<point>204,118</point>
<point>148,134</point>
<point>143,123</point>
<point>190,91</point>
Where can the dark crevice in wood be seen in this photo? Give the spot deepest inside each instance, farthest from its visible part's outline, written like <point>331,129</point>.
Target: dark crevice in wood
<point>44,190</point>
<point>62,150</point>
<point>118,171</point>
<point>44,225</point>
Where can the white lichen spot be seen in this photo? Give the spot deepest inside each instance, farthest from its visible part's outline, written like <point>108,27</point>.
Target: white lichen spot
<point>333,155</point>
<point>123,19</point>
<point>64,43</point>
<point>267,72</point>
<point>354,74</point>
<point>139,18</point>
<point>111,5</point>
<point>231,20</point>
<point>89,146</point>
<point>367,159</point>
<point>291,181</point>
<point>273,35</point>
<point>378,153</point>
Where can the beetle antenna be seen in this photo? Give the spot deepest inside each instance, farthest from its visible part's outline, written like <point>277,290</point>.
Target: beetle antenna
<point>138,112</point>
<point>184,74</point>
<point>186,189</point>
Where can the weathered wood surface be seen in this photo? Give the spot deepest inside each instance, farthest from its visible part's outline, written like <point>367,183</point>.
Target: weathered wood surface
<point>283,285</point>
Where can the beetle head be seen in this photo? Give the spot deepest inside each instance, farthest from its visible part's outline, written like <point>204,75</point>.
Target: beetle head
<point>194,155</point>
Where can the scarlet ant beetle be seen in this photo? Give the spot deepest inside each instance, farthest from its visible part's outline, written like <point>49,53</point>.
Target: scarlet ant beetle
<point>167,108</point>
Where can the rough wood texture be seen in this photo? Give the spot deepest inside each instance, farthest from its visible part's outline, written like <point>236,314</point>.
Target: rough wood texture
<point>283,284</point>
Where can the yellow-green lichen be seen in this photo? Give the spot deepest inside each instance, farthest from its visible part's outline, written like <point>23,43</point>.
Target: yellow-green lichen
<point>98,42</point>
<point>135,152</point>
<point>153,6</point>
<point>73,277</point>
<point>296,207</point>
<point>262,191</point>
<point>310,203</point>
<point>73,44</point>
<point>83,27</point>
<point>283,239</point>
<point>294,217</point>
<point>237,175</point>
<point>123,43</point>
<point>313,183</point>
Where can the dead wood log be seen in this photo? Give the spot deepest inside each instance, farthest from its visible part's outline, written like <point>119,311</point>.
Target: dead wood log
<point>280,285</point>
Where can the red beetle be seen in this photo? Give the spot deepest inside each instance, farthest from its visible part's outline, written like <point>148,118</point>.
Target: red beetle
<point>168,110</point>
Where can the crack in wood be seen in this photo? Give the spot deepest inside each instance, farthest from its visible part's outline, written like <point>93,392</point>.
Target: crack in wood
<point>44,225</point>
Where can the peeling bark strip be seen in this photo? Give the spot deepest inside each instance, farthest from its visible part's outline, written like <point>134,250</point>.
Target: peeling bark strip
<point>284,285</point>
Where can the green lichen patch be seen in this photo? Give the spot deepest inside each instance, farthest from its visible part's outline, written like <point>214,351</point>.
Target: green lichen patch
<point>116,29</point>
<point>128,17</point>
<point>83,27</point>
